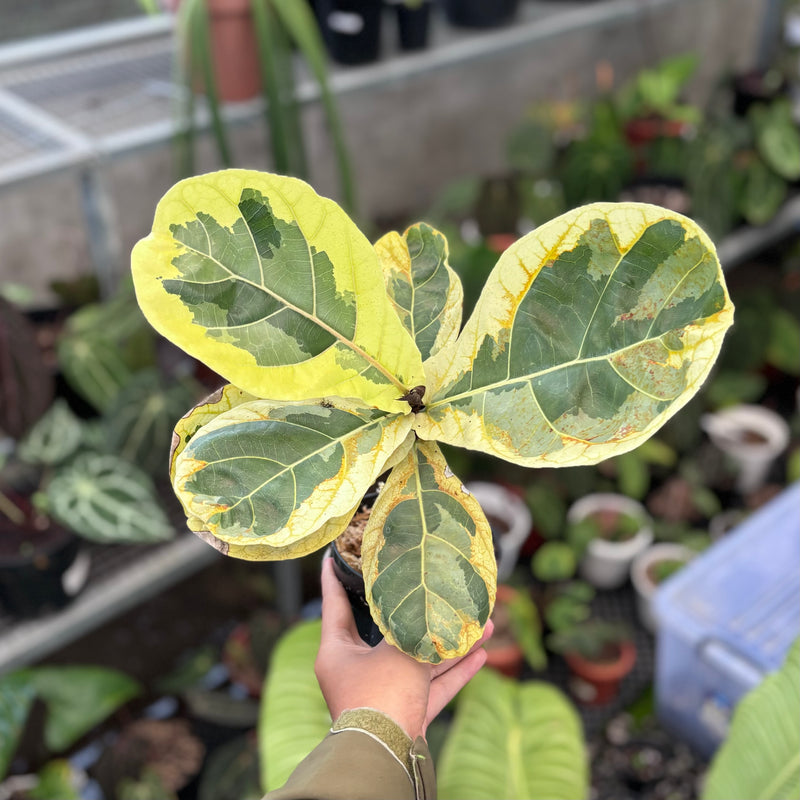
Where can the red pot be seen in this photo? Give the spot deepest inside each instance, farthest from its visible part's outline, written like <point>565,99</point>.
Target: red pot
<point>596,683</point>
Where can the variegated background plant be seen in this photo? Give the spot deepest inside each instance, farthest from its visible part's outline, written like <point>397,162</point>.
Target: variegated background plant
<point>346,360</point>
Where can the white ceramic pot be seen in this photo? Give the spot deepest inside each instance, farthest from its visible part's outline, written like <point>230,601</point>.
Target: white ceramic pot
<point>643,583</point>
<point>729,428</point>
<point>499,502</point>
<point>605,564</point>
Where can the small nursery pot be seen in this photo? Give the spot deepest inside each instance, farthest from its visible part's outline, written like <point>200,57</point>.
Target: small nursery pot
<point>353,583</point>
<point>351,29</point>
<point>752,437</point>
<point>43,580</point>
<point>606,564</point>
<point>510,519</point>
<point>597,683</point>
<point>642,579</point>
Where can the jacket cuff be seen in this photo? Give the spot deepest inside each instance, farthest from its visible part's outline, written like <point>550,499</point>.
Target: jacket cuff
<point>381,727</point>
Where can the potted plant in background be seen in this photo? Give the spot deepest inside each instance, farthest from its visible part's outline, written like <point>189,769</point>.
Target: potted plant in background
<point>752,436</point>
<point>609,530</point>
<point>70,478</point>
<point>517,636</point>
<point>599,653</point>
<point>270,32</point>
<point>371,379</point>
<point>650,569</point>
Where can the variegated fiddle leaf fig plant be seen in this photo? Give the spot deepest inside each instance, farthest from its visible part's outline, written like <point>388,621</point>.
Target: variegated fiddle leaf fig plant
<point>346,360</point>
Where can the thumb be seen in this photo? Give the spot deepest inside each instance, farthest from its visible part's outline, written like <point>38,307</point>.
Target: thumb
<point>337,616</point>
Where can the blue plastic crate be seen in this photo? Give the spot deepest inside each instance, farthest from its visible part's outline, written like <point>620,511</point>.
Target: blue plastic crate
<point>726,620</point>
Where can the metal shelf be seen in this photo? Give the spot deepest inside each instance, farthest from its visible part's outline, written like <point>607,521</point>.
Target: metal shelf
<point>121,577</point>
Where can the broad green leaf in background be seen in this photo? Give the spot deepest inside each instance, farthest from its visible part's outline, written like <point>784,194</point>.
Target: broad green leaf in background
<point>428,559</point>
<point>54,438</point>
<point>273,474</point>
<point>95,366</point>
<point>107,499</point>
<point>294,718</point>
<point>760,758</point>
<point>275,288</point>
<point>78,698</point>
<point>515,740</point>
<point>16,697</point>
<point>537,381</point>
<point>426,293</point>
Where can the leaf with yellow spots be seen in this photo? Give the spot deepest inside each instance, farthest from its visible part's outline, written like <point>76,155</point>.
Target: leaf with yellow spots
<point>275,288</point>
<point>428,559</point>
<point>426,293</point>
<point>590,333</point>
<point>273,480</point>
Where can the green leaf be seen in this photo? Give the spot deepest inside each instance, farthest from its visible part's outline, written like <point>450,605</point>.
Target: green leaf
<point>94,366</point>
<point>777,138</point>
<point>428,559</point>
<point>762,195</point>
<point>294,718</point>
<point>513,740</point>
<point>760,758</point>
<point>590,333</point>
<point>426,293</point>
<point>276,289</point>
<point>783,350</point>
<point>57,781</point>
<point>554,561</point>
<point>527,627</point>
<point>107,499</point>
<point>139,422</point>
<point>54,438</point>
<point>77,699</point>
<point>269,480</point>
<point>16,697</point>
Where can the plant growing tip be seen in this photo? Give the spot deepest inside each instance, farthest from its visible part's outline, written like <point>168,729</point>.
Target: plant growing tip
<point>589,334</point>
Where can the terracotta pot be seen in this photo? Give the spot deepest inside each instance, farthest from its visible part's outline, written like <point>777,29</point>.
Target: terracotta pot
<point>504,655</point>
<point>596,684</point>
<point>234,50</point>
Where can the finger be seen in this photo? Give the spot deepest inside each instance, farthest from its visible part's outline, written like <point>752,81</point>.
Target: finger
<point>444,666</point>
<point>337,616</point>
<point>447,685</point>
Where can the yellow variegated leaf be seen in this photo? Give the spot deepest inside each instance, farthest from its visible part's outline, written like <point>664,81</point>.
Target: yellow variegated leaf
<point>590,333</point>
<point>273,480</point>
<point>426,293</point>
<point>224,399</point>
<point>428,559</point>
<point>275,288</point>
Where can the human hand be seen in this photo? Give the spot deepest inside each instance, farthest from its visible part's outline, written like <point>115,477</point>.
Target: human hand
<point>352,674</point>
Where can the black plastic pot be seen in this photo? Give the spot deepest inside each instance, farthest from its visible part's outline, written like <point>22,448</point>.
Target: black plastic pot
<point>351,29</point>
<point>353,583</point>
<point>32,583</point>
<point>413,24</point>
<point>480,13</point>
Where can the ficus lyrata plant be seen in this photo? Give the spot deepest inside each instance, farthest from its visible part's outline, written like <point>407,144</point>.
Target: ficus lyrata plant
<point>346,360</point>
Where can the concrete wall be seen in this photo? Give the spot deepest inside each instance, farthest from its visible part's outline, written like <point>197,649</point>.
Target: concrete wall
<point>409,136</point>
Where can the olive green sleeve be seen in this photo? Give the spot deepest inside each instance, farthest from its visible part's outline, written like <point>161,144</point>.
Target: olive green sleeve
<point>366,755</point>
